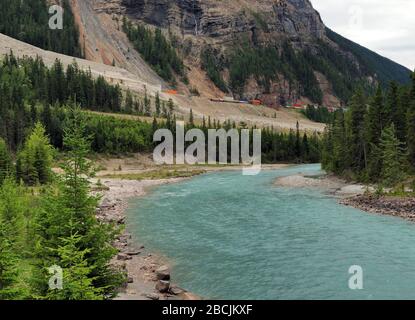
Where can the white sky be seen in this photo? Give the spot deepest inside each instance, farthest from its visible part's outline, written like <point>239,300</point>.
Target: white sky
<point>384,26</point>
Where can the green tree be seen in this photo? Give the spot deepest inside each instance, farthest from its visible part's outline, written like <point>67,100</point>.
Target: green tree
<point>35,160</point>
<point>158,104</point>
<point>8,265</point>
<point>358,145</point>
<point>147,105</point>
<point>129,102</point>
<point>13,207</point>
<point>411,133</point>
<point>77,284</point>
<point>393,156</point>
<point>375,120</point>
<point>6,165</point>
<point>68,209</point>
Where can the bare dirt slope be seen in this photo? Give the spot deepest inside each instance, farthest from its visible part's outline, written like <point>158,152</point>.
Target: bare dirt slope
<point>252,115</point>
<point>111,74</point>
<point>104,41</point>
<point>261,116</point>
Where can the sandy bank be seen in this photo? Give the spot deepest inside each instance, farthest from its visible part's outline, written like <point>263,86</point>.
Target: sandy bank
<point>330,184</point>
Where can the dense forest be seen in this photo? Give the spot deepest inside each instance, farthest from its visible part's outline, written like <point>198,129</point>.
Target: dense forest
<point>374,141</point>
<point>30,92</point>
<point>372,63</point>
<point>28,21</point>
<point>156,50</point>
<point>267,63</point>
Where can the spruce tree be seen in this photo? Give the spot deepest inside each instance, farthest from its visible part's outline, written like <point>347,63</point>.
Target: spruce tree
<point>393,158</point>
<point>411,133</point>
<point>77,284</point>
<point>6,165</point>
<point>13,208</point>
<point>129,102</point>
<point>8,265</point>
<point>35,160</point>
<point>158,105</point>
<point>374,121</point>
<point>68,209</point>
<point>358,146</point>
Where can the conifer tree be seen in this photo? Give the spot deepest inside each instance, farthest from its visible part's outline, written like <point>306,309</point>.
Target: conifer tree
<point>129,102</point>
<point>297,141</point>
<point>6,165</point>
<point>68,210</point>
<point>393,158</point>
<point>76,282</point>
<point>357,131</point>
<point>35,160</point>
<point>374,121</point>
<point>158,104</point>
<point>147,105</point>
<point>13,207</point>
<point>411,133</point>
<point>8,265</point>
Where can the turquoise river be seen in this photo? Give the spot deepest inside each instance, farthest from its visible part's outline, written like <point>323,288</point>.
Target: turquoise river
<point>229,236</point>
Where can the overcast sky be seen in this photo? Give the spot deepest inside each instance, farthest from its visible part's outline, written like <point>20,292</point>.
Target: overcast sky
<point>384,26</point>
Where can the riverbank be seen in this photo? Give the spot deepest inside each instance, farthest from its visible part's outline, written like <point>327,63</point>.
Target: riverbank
<point>146,272</point>
<point>402,207</point>
<point>327,183</point>
<point>354,195</point>
<point>149,275</point>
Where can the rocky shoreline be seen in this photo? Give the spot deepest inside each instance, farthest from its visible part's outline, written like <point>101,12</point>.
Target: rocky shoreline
<point>386,205</point>
<point>354,195</point>
<point>148,275</point>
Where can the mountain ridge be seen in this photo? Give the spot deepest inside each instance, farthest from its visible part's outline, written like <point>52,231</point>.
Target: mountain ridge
<point>225,25</point>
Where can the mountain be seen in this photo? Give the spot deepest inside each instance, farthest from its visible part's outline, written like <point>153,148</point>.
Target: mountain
<point>277,50</point>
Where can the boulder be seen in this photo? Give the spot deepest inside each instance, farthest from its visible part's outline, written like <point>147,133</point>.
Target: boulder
<point>163,273</point>
<point>176,290</point>
<point>123,257</point>
<point>133,252</point>
<point>152,296</point>
<point>163,286</point>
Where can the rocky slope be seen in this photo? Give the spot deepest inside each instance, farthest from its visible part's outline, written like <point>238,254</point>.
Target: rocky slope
<point>223,26</point>
<point>229,19</point>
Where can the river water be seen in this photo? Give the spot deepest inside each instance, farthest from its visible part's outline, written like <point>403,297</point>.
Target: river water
<point>230,236</point>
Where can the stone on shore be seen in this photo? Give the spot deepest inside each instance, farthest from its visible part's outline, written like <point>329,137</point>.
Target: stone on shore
<point>393,206</point>
<point>163,273</point>
<point>152,296</point>
<point>133,252</point>
<point>163,286</point>
<point>176,290</point>
<point>123,257</point>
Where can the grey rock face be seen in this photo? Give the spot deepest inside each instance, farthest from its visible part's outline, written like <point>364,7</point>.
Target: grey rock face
<point>227,19</point>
